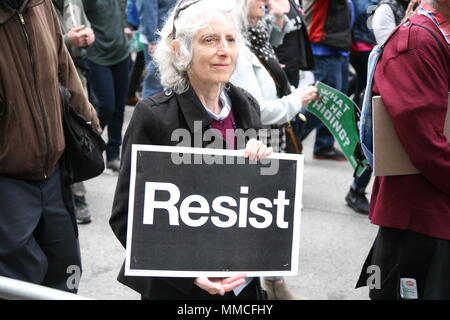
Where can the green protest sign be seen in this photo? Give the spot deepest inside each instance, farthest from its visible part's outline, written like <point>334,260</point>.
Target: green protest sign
<point>135,43</point>
<point>337,112</point>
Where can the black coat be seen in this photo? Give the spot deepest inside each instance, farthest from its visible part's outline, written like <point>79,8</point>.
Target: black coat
<point>153,122</point>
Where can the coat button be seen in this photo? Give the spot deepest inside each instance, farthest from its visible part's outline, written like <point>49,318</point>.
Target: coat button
<point>168,92</point>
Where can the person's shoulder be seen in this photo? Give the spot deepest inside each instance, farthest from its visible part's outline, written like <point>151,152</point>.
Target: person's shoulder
<point>424,29</point>
<point>245,95</point>
<point>418,42</point>
<point>157,101</point>
<point>383,12</point>
<point>153,108</point>
<point>419,33</point>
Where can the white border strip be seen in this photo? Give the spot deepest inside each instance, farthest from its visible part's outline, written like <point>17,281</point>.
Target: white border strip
<point>237,153</point>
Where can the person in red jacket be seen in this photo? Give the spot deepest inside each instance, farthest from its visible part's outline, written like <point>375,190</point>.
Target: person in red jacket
<point>410,257</point>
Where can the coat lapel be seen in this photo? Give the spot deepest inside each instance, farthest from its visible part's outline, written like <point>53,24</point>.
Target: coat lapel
<point>244,108</point>
<point>193,110</point>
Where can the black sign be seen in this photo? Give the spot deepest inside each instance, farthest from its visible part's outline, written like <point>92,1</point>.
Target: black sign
<point>205,212</point>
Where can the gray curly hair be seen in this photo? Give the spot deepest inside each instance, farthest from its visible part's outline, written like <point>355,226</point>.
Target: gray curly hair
<point>172,67</point>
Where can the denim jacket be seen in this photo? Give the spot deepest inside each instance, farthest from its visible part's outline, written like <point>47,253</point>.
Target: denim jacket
<point>152,14</point>
<point>365,123</point>
<point>132,13</point>
<point>361,31</point>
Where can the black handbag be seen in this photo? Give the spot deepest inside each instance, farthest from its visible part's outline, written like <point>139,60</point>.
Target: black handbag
<point>83,156</point>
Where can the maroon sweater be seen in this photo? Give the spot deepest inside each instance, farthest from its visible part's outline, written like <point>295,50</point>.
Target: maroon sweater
<point>226,128</point>
<point>413,79</point>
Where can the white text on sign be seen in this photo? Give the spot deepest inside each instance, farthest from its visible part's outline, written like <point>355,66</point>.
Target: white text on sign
<point>224,217</point>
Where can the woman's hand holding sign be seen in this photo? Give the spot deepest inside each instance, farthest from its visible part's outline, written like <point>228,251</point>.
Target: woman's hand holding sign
<point>256,150</point>
<point>308,95</point>
<point>220,285</point>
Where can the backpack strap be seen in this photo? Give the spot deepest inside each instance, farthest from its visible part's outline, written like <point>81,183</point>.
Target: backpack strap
<point>432,33</point>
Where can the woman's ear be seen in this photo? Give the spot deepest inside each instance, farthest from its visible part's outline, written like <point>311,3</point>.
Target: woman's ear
<point>175,45</point>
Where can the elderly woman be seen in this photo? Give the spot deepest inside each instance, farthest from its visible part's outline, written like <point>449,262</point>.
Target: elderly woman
<point>196,57</point>
<point>259,72</point>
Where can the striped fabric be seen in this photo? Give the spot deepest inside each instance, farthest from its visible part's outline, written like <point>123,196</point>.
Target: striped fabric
<point>437,18</point>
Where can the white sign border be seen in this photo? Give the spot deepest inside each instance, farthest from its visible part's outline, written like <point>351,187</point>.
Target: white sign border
<point>194,274</point>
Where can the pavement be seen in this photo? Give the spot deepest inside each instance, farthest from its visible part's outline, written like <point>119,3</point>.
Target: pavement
<point>334,240</point>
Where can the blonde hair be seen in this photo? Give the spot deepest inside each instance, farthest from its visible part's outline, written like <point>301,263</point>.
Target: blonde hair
<point>243,12</point>
<point>172,67</point>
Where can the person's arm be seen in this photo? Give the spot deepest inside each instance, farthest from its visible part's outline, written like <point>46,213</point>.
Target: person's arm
<point>142,129</point>
<point>383,23</point>
<point>275,111</point>
<point>148,18</point>
<point>68,77</point>
<point>414,88</point>
<point>276,33</point>
<point>278,9</point>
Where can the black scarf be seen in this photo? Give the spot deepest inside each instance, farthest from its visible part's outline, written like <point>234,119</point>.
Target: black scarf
<point>258,37</point>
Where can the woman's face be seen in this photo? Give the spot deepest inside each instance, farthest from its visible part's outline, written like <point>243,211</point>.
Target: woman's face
<point>256,9</point>
<point>214,53</point>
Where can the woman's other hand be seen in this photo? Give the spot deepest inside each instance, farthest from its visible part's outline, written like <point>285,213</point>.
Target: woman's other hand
<point>278,7</point>
<point>220,285</point>
<point>256,150</point>
<point>411,9</point>
<point>308,95</point>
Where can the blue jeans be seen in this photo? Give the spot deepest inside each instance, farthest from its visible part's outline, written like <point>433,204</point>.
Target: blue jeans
<point>109,85</point>
<point>333,71</point>
<point>38,238</point>
<point>152,84</point>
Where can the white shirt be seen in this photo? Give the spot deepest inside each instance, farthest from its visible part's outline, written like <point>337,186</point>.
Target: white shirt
<point>383,23</point>
<point>226,107</point>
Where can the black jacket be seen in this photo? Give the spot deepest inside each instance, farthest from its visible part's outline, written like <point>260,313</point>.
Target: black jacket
<point>329,22</point>
<point>295,52</point>
<point>153,122</point>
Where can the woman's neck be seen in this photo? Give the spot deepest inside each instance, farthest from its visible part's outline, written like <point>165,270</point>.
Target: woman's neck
<point>253,21</point>
<point>209,96</point>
